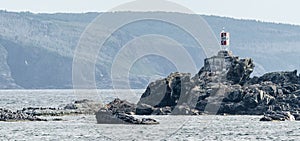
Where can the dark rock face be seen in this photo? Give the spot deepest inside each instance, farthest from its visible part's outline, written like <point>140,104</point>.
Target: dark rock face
<point>164,93</point>
<point>119,106</point>
<point>277,78</point>
<point>107,117</point>
<point>222,86</point>
<point>228,68</point>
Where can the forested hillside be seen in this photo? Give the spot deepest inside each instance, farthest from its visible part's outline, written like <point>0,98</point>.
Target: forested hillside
<point>36,50</point>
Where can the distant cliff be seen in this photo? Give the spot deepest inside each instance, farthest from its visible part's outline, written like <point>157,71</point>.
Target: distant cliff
<point>36,50</point>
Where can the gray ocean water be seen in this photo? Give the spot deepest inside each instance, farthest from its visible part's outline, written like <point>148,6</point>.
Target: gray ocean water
<point>84,127</point>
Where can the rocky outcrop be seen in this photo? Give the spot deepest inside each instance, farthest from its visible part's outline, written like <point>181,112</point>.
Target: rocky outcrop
<point>279,78</point>
<point>277,116</point>
<point>227,68</point>
<point>222,86</point>
<point>163,95</point>
<point>108,117</point>
<point>121,106</point>
<point>119,112</point>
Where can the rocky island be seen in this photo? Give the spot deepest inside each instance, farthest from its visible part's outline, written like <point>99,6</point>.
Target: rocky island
<point>222,86</point>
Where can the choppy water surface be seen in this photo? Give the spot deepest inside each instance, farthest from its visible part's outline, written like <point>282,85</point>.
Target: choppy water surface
<point>171,128</point>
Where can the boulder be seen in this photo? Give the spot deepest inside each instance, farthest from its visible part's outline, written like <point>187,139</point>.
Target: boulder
<point>278,116</point>
<point>108,117</point>
<point>240,71</point>
<point>121,111</point>
<point>121,106</point>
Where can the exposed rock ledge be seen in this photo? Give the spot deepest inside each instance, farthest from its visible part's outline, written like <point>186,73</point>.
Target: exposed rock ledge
<point>107,115</point>
<point>119,112</point>
<point>222,86</point>
<point>278,116</point>
<point>39,114</point>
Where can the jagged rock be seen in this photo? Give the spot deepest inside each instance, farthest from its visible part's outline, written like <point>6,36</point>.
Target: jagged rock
<point>120,111</point>
<point>105,116</point>
<point>165,92</point>
<point>234,96</point>
<point>223,82</point>
<point>234,69</point>
<point>121,106</point>
<point>278,78</point>
<point>251,100</point>
<point>277,116</point>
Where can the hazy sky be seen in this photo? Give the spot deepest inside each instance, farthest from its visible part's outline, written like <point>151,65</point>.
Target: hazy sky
<point>283,11</point>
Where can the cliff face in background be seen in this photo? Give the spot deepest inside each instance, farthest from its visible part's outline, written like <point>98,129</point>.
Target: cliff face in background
<point>36,50</point>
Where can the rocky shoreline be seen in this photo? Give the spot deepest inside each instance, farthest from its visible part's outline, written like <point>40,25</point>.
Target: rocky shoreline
<point>87,107</point>
<point>8,115</point>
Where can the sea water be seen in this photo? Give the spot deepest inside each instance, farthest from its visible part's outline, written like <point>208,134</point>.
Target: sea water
<point>84,127</point>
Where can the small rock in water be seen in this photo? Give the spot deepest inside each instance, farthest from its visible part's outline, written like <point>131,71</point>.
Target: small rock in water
<point>57,119</point>
<point>120,112</point>
<point>149,121</point>
<point>266,118</point>
<point>278,116</point>
<point>107,117</point>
